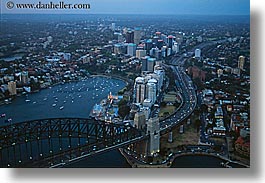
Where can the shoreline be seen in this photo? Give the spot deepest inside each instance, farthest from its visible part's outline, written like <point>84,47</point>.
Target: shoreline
<point>134,163</point>
<point>3,102</point>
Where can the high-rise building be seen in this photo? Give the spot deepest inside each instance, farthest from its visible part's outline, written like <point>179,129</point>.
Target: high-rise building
<point>175,48</point>
<point>113,26</point>
<point>158,34</point>
<point>170,41</point>
<point>140,89</point>
<point>131,49</point>
<point>151,90</point>
<point>137,35</point>
<point>148,45</point>
<point>160,43</point>
<point>139,120</point>
<point>158,53</point>
<point>119,49</point>
<point>24,77</point>
<point>153,130</point>
<point>150,64</point>
<point>144,63</point>
<point>12,88</point>
<point>241,62</point>
<point>197,53</point>
<point>129,36</point>
<point>140,53</point>
<point>179,38</point>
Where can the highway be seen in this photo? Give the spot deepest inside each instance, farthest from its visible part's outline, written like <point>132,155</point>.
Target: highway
<point>186,88</point>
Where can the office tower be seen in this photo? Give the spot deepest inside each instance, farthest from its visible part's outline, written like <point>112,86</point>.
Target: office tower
<point>170,41</point>
<point>155,40</point>
<point>169,51</point>
<point>164,51</point>
<point>129,36</point>
<point>151,90</point>
<point>118,36</point>
<point>148,45</point>
<point>179,38</point>
<point>24,77</point>
<point>140,53</point>
<point>12,88</point>
<point>150,64</point>
<point>241,62</point>
<point>164,38</point>
<point>175,48</point>
<point>139,120</point>
<point>158,53</point>
<point>113,26</point>
<point>140,89</point>
<point>153,130</point>
<point>160,43</point>
<point>131,49</point>
<point>137,35</point>
<point>152,52</point>
<point>158,34</point>
<point>197,53</point>
<point>144,63</point>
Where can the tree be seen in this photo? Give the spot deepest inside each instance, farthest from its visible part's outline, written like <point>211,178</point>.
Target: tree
<point>124,110</point>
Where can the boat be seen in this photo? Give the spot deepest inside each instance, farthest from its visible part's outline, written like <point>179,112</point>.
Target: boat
<point>61,108</point>
<point>27,100</point>
<point>53,105</point>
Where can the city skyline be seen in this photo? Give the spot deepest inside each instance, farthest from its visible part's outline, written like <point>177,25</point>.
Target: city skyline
<point>156,7</point>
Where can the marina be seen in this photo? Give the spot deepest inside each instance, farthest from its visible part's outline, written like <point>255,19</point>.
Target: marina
<point>75,99</point>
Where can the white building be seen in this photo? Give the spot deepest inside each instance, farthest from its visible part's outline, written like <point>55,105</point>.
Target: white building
<point>151,90</point>
<point>131,49</point>
<point>140,53</point>
<point>140,89</point>
<point>197,53</point>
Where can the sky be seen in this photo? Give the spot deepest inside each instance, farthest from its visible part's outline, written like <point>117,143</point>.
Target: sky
<point>196,7</point>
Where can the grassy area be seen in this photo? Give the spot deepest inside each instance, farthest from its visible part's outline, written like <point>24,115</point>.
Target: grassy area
<point>190,136</point>
<point>166,111</point>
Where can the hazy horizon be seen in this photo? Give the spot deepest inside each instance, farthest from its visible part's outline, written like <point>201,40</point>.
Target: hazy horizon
<point>142,7</point>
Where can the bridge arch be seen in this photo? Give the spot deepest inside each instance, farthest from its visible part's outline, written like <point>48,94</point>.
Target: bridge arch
<point>50,142</point>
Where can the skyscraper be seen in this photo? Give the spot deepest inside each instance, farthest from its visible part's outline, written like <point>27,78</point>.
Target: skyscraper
<point>129,36</point>
<point>175,48</point>
<point>148,45</point>
<point>140,89</point>
<point>137,35</point>
<point>131,49</point>
<point>150,64</point>
<point>241,62</point>
<point>140,53</point>
<point>170,41</point>
<point>151,90</point>
<point>113,26</point>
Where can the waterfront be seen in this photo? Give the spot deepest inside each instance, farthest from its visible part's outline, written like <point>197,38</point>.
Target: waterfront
<point>75,99</point>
